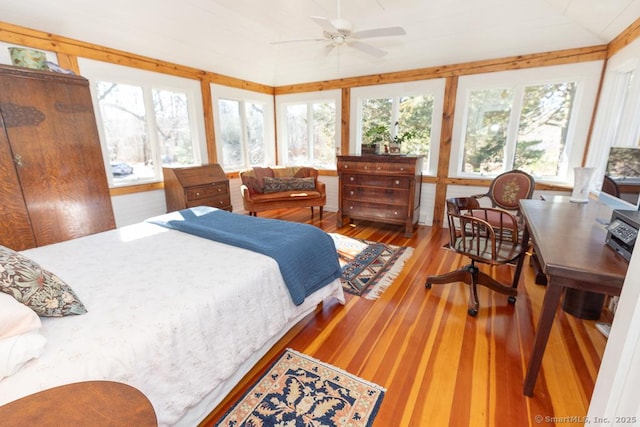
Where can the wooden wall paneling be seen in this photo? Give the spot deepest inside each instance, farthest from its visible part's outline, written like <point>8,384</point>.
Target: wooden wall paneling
<point>446,136</point>
<point>628,36</point>
<point>345,127</point>
<point>209,121</point>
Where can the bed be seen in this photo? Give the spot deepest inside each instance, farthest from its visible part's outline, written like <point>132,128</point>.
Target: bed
<point>180,317</point>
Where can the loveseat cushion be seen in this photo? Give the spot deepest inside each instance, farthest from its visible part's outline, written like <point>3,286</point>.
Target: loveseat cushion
<point>274,185</point>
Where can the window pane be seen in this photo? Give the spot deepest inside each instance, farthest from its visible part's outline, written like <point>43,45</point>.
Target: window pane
<point>174,132</point>
<point>125,129</point>
<point>255,133</point>
<point>324,135</point>
<point>231,133</point>
<point>376,114</point>
<point>542,132</point>
<point>487,129</point>
<point>415,118</point>
<point>297,134</point>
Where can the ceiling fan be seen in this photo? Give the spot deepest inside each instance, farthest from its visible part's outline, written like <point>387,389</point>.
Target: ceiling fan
<point>339,32</point>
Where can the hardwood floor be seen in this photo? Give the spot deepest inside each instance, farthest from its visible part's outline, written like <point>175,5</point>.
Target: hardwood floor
<point>441,367</point>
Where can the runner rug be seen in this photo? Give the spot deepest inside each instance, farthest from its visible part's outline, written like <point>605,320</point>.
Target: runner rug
<point>368,268</point>
<point>301,391</point>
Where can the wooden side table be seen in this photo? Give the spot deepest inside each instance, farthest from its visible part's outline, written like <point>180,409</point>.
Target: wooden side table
<point>89,403</point>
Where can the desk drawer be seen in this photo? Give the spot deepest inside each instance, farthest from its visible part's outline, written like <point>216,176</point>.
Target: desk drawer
<point>220,202</point>
<point>207,191</point>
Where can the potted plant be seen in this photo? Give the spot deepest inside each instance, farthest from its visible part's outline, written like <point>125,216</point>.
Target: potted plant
<point>381,135</point>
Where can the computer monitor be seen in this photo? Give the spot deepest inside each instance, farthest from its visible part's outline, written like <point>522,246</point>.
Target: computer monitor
<point>624,163</point>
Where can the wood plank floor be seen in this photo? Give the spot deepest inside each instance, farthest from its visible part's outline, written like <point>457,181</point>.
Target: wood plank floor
<point>441,367</point>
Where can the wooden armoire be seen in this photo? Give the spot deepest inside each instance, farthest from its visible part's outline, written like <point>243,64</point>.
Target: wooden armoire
<point>53,183</point>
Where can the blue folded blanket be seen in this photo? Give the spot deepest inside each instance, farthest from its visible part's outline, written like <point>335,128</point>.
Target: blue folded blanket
<point>306,255</point>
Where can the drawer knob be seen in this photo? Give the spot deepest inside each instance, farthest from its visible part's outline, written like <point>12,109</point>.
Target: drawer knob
<point>219,189</point>
<point>350,207</point>
<point>351,178</point>
<point>351,192</point>
<point>379,168</point>
<point>401,168</point>
<point>395,213</point>
<point>345,166</point>
<point>197,194</point>
<point>397,182</point>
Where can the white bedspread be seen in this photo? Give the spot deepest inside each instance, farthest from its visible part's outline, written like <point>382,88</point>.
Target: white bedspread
<point>171,314</point>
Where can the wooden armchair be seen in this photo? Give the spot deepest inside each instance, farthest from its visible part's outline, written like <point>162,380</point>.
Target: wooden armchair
<point>484,235</point>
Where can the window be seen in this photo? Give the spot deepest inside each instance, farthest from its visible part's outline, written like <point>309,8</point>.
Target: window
<point>243,127</point>
<point>535,120</point>
<point>309,129</point>
<point>146,121</point>
<point>541,123</point>
<point>410,112</point>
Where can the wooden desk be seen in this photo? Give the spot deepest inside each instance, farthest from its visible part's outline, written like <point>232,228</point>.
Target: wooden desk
<point>570,245</point>
<point>89,403</point>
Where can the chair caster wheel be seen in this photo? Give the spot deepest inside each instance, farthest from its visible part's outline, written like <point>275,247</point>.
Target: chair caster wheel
<point>427,285</point>
<point>472,312</point>
<point>511,300</point>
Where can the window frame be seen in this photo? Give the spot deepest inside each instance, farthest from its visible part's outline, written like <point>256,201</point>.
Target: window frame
<point>96,71</point>
<point>433,87</point>
<point>282,101</point>
<point>243,96</point>
<point>586,75</point>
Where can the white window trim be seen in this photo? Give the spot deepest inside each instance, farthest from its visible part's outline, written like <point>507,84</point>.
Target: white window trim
<point>282,101</point>
<point>586,75</point>
<point>97,71</point>
<point>433,87</point>
<point>219,92</point>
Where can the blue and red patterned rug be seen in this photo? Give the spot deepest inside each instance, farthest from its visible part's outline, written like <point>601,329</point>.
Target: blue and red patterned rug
<point>368,268</point>
<point>301,391</point>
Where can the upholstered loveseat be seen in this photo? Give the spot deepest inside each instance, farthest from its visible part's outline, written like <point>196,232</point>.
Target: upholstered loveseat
<point>281,187</point>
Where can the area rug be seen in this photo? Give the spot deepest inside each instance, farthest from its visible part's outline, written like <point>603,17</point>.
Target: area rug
<point>368,268</point>
<point>301,391</point>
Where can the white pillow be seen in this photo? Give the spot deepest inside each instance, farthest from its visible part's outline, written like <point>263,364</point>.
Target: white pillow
<point>15,317</point>
<point>17,350</point>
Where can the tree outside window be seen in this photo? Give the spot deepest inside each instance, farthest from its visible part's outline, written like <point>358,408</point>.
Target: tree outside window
<point>311,134</point>
<point>408,118</point>
<point>242,127</point>
<point>523,127</point>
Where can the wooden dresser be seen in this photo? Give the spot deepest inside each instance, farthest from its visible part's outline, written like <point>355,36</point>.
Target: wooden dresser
<point>380,188</point>
<point>205,185</point>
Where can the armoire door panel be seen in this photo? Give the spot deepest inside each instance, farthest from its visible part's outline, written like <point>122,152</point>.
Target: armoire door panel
<point>61,171</point>
<point>15,226</point>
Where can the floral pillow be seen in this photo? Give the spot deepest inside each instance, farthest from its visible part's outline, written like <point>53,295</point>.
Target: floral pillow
<point>273,185</point>
<point>39,289</point>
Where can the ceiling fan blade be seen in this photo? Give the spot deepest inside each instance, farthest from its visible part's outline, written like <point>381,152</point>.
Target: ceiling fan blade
<point>379,32</point>
<point>297,41</point>
<point>325,24</point>
<point>367,48</point>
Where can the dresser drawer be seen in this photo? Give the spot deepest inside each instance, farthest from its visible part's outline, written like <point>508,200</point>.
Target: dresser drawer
<point>382,167</point>
<point>387,196</point>
<point>207,191</point>
<point>377,181</point>
<point>374,210</point>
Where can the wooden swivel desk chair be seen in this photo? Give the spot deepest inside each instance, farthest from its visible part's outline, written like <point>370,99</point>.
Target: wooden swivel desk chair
<point>507,189</point>
<point>484,235</point>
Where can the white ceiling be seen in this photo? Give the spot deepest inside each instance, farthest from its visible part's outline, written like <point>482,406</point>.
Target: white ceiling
<point>233,37</point>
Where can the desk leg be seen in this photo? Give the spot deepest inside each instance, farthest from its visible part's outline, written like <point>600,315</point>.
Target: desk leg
<point>525,245</point>
<point>549,307</point>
